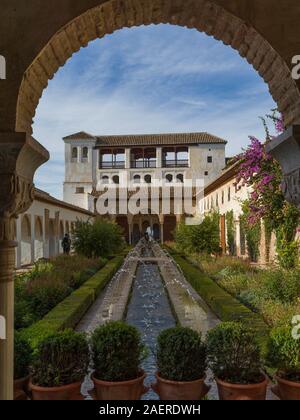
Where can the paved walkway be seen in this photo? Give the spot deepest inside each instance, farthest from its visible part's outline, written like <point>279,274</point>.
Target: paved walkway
<point>190,308</point>
<point>112,302</point>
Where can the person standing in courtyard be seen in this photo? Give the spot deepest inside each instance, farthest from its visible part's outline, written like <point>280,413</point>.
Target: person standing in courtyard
<point>66,244</point>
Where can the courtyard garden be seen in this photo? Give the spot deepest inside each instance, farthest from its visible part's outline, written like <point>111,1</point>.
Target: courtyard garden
<point>250,344</point>
<point>273,292</point>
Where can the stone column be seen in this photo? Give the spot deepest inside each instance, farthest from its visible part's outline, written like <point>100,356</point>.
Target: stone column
<point>263,252</point>
<point>57,220</point>
<point>162,221</point>
<point>19,239</point>
<point>46,233</point>
<point>238,237</point>
<point>127,158</point>
<point>32,224</point>
<point>130,227</point>
<point>159,157</point>
<point>20,156</point>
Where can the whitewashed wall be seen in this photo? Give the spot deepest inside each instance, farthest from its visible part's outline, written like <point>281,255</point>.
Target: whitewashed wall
<point>40,230</point>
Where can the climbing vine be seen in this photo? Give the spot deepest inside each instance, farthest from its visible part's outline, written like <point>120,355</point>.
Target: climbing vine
<point>252,233</point>
<point>260,172</point>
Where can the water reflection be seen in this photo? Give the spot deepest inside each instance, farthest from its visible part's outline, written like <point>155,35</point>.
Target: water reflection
<point>149,310</point>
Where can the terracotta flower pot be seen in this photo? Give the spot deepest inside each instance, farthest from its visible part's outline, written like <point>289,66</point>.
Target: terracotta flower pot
<point>61,393</point>
<point>287,390</point>
<point>173,390</point>
<point>21,390</point>
<point>233,392</point>
<point>126,391</point>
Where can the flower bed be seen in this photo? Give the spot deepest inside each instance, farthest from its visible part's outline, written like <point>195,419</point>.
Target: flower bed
<point>69,312</point>
<point>39,291</point>
<point>272,293</point>
<point>225,306</point>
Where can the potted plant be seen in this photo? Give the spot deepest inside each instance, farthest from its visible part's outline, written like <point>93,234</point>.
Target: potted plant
<point>234,357</point>
<point>283,353</point>
<point>22,361</point>
<point>118,352</point>
<point>181,361</point>
<point>60,365</point>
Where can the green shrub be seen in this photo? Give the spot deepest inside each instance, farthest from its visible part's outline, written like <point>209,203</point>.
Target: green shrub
<point>226,307</point>
<point>203,238</point>
<point>39,291</point>
<point>61,359</point>
<point>234,354</point>
<point>287,253</point>
<point>45,293</point>
<point>23,314</point>
<point>283,286</point>
<point>283,353</point>
<point>117,352</point>
<point>22,356</point>
<point>101,238</point>
<point>222,266</point>
<point>181,355</point>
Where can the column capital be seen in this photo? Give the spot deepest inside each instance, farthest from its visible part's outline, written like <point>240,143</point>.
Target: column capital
<point>20,156</point>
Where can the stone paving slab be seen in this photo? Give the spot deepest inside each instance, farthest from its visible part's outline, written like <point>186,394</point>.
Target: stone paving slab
<point>190,308</point>
<point>112,302</point>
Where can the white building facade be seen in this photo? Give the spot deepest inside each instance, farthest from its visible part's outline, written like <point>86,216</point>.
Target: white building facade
<point>225,195</point>
<point>93,161</point>
<point>40,230</point>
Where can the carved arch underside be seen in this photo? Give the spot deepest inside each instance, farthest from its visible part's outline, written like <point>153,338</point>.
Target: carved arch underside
<point>203,15</point>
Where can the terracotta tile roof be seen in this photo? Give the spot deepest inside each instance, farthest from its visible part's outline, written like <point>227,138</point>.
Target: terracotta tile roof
<point>43,196</point>
<point>82,135</point>
<point>150,139</point>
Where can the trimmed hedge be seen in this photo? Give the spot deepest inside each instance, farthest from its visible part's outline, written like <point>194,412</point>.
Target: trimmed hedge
<point>226,307</point>
<point>69,312</point>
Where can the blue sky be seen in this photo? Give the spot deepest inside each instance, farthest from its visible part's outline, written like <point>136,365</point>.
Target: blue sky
<point>150,80</point>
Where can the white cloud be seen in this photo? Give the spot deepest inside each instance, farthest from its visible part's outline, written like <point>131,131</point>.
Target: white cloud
<point>149,80</point>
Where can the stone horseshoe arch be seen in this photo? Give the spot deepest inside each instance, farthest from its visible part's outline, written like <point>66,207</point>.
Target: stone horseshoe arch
<point>203,15</point>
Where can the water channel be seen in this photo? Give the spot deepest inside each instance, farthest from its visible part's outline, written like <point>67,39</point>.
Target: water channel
<point>149,310</point>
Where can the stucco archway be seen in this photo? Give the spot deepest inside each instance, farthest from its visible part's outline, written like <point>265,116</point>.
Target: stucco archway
<point>203,15</point>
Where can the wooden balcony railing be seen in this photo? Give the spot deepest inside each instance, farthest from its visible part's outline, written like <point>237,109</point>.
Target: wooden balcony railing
<point>175,163</point>
<point>112,165</point>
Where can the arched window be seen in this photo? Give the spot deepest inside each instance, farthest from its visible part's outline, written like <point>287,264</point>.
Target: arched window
<point>85,153</point>
<point>169,178</point>
<point>137,179</point>
<point>116,179</point>
<point>148,179</point>
<point>74,153</point>
<point>180,178</point>
<point>105,180</point>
